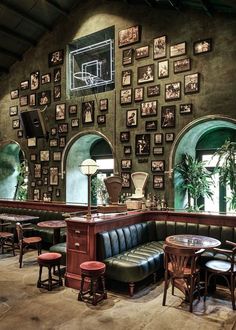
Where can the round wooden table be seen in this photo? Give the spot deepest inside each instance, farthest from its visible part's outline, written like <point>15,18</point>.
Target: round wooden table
<point>192,241</point>
<point>56,225</point>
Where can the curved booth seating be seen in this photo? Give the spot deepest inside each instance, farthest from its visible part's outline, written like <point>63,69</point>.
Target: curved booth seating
<point>60,248</point>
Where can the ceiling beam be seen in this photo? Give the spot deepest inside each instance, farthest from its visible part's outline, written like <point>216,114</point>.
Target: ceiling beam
<point>4,69</point>
<point>16,35</point>
<point>19,12</point>
<point>207,7</point>
<point>10,53</point>
<point>58,8</point>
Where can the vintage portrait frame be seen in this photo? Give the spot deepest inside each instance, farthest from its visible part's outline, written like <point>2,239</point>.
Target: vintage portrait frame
<point>62,141</point>
<point>138,94</point>
<point>57,92</point>
<point>158,150</point>
<point>127,56</point>
<point>56,58</point>
<point>13,110</point>
<point>202,46</point>
<point>127,150</point>
<point>46,78</point>
<point>20,133</point>
<point>33,157</point>
<point>103,104</point>
<point>32,99</point>
<point>154,90</point>
<point>126,179</point>
<point>145,73</point>
<point>132,118</point>
<point>141,52</point>
<point>88,112</point>
<point>192,83</point>
<point>126,96</point>
<point>159,47</point>
<point>178,49</point>
<point>173,91</point>
<point>163,69</point>
<point>14,94</point>
<point>182,65</point>
<point>44,97</point>
<point>168,113</point>
<point>34,80</point>
<point>73,109</point>
<point>126,164</point>
<point>142,144</point>
<point>60,111</point>
<point>44,155</point>
<point>32,142</point>
<point>57,75</point>
<point>129,36</point>
<point>37,171</point>
<point>126,78</point>
<point>148,108</point>
<point>56,156</point>
<point>15,123</point>
<point>62,128</point>
<point>157,165</point>
<point>54,131</point>
<point>54,176</point>
<point>23,100</point>
<point>53,143</point>
<point>186,108</point>
<point>158,138</point>
<point>101,119</point>
<point>24,85</point>
<point>169,137</point>
<point>158,181</point>
<point>36,194</point>
<point>151,125</point>
<point>124,136</point>
<point>74,122</point>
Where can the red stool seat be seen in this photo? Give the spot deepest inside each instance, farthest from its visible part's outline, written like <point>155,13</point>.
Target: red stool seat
<point>94,270</point>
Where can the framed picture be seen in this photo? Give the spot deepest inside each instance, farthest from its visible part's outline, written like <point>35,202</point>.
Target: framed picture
<point>45,170</point>
<point>53,142</point>
<point>142,144</point>
<point>14,94</point>
<point>159,47</point>
<point>127,56</point>
<point>168,116</point>
<point>53,131</point>
<point>44,156</point>
<point>44,97</point>
<point>191,83</point>
<point>57,75</point>
<point>101,119</point>
<point>33,157</point>
<point>178,49</point>
<point>138,94</point>
<point>62,141</point>
<point>75,122</point>
<point>132,118</point>
<point>158,138</point>
<point>126,164</point>
<point>169,137</point>
<point>153,90</point>
<point>158,165</point>
<point>36,194</point>
<point>202,46</point>
<point>24,84</point>
<point>47,197</point>
<point>127,150</point>
<point>33,184</point>
<point>151,125</point>
<point>34,80</point>
<point>46,78</point>
<point>88,112</point>
<point>56,156</point>
<point>15,123</point>
<point>20,133</point>
<point>145,74</point>
<point>126,77</point>
<point>13,110</point>
<point>72,110</point>
<point>45,181</point>
<point>103,104</point>
<point>163,69</point>
<point>126,96</point>
<point>182,65</point>
<point>185,108</point>
<point>141,52</point>
<point>129,36</point>
<point>57,92</point>
<point>126,178</point>
<point>56,58</point>
<point>124,136</point>
<point>37,170</point>
<point>32,142</point>
<point>32,100</point>
<point>63,128</point>
<point>54,176</point>
<point>23,100</point>
<point>60,111</point>
<point>158,150</point>
<point>148,109</point>
<point>158,181</point>
<point>173,91</point>
<point>58,192</point>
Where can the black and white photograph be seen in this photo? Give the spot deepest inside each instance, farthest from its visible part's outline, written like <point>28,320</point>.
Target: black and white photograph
<point>54,176</point>
<point>88,112</point>
<point>126,178</point>
<point>72,110</point>
<point>158,165</point>
<point>127,150</point>
<point>163,69</point>
<point>44,156</point>
<point>15,123</point>
<point>178,49</point>
<point>37,170</point>
<point>62,141</point>
<point>13,110</point>
<point>145,73</point>
<point>34,80</point>
<point>20,133</point>
<point>57,75</point>
<point>151,125</point>
<point>126,96</point>
<point>191,83</point>
<point>153,90</point>
<point>56,58</point>
<point>141,52</point>
<point>103,104</point>
<point>158,181</point>
<point>46,78</point>
<point>54,131</point>
<point>185,108</point>
<point>60,111</point>
<point>24,85</point>
<point>57,92</point>
<point>148,109</point>
<point>36,194</point>
<point>127,56</point>
<point>159,47</point>
<point>32,100</point>
<point>14,94</point>
<point>129,36</point>
<point>53,143</point>
<point>142,144</point>
<point>138,94</point>
<point>126,78</point>
<point>62,128</point>
<point>101,119</point>
<point>173,91</point>
<point>158,150</point>
<point>32,142</point>
<point>56,156</point>
<point>44,97</point>
<point>23,100</point>
<point>132,118</point>
<point>182,65</point>
<point>75,122</point>
<point>168,116</point>
<point>169,137</point>
<point>124,136</point>
<point>202,46</point>
<point>158,138</point>
<point>126,164</point>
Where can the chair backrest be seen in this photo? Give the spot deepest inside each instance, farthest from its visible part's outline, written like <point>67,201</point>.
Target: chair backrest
<point>19,230</point>
<point>178,259</point>
<point>231,254</point>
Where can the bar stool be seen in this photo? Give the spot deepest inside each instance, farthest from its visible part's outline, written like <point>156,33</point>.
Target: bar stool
<point>49,260</point>
<point>7,240</point>
<point>94,270</point>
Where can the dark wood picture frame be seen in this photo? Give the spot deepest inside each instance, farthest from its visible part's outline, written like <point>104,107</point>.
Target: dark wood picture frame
<point>56,156</point>
<point>168,114</point>
<point>126,78</point>
<point>60,111</point>
<point>182,65</point>
<point>103,105</point>
<point>149,108</point>
<point>127,56</point>
<point>32,142</point>
<point>157,165</point>
<point>192,83</point>
<point>202,46</point>
<point>154,90</point>
<point>126,179</point>
<point>37,171</point>
<point>57,92</point>
<point>186,108</point>
<point>73,110</point>
<point>32,99</point>
<point>54,176</point>
<point>23,100</point>
<point>169,137</point>
<point>151,125</point>
<point>124,136</point>
<point>44,155</point>
<point>129,36</point>
<point>159,47</point>
<point>34,80</point>
<point>101,119</point>
<point>88,112</point>
<point>163,69</point>
<point>62,141</point>
<point>178,49</point>
<point>158,181</point>
<point>62,128</point>
<point>53,143</point>
<point>127,150</point>
<point>57,75</point>
<point>46,78</point>
<point>56,58</point>
<point>126,164</point>
<point>24,85</point>
<point>141,52</point>
<point>16,123</point>
<point>173,91</point>
<point>14,94</point>
<point>44,97</point>
<point>20,133</point>
<point>13,110</point>
<point>158,138</point>
<point>132,118</point>
<point>142,144</point>
<point>74,122</point>
<point>145,73</point>
<point>158,150</point>
<point>138,94</point>
<point>126,96</point>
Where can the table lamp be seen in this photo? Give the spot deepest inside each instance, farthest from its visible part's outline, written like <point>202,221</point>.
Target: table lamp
<point>88,167</point>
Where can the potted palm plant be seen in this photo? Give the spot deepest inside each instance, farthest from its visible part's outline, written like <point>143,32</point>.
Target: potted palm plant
<point>195,180</point>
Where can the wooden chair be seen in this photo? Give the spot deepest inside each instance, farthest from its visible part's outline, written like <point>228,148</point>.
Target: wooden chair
<point>182,271</point>
<point>6,239</point>
<point>25,242</point>
<point>224,268</point>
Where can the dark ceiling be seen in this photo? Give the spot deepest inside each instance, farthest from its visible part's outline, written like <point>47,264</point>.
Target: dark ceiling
<point>24,22</point>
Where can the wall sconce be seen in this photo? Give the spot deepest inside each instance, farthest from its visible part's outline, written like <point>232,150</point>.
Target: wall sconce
<point>88,167</point>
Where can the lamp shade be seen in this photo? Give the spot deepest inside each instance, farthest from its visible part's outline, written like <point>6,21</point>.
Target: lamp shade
<point>88,167</point>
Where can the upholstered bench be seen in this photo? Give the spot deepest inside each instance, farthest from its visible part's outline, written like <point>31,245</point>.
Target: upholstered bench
<point>60,248</point>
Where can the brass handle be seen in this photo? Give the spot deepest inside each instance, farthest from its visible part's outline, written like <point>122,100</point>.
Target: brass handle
<point>77,231</point>
<point>77,244</point>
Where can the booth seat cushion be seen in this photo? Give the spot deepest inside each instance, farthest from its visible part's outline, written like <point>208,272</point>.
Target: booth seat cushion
<point>60,248</point>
